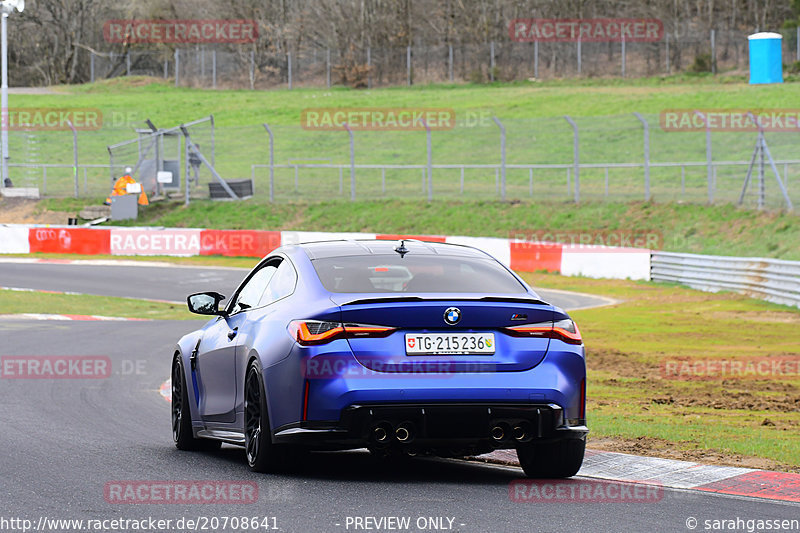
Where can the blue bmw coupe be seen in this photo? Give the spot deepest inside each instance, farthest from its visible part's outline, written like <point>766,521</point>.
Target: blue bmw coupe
<point>404,348</point>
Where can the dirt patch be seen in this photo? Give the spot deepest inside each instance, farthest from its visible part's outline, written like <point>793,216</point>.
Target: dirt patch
<point>620,364</point>
<point>23,211</point>
<point>782,317</point>
<point>296,221</point>
<point>653,447</point>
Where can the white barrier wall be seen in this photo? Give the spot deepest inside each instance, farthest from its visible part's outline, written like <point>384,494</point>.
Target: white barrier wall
<point>605,262</point>
<point>14,240</point>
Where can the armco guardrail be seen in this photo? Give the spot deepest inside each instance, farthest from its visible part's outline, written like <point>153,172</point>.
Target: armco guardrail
<point>773,280</point>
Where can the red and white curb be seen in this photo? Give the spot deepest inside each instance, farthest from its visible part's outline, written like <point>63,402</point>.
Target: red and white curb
<point>70,293</point>
<point>92,318</point>
<point>570,259</point>
<point>728,480</point>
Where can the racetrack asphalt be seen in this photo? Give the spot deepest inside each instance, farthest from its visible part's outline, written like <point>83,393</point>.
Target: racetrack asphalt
<point>63,440</point>
<point>171,282</point>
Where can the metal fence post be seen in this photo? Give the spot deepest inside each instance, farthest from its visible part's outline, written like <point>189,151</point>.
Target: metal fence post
<point>271,163</point>
<point>491,61</point>
<point>328,67</point>
<point>214,69</point>
<point>177,66</point>
<point>579,57</point>
<point>530,181</point>
<point>289,68</point>
<point>74,154</point>
<point>450,62</point>
<point>213,140</point>
<point>408,65</point>
<point>128,63</point>
<point>111,166</point>
<point>430,159</point>
<point>709,158</point>
<point>186,199</point>
<point>502,157</point>
<point>713,52</point>
<point>91,66</point>
<point>576,157</point>
<point>797,41</point>
<point>352,163</point>
<point>623,56</point>
<point>536,59</point>
<point>252,70</point>
<point>667,52</point>
<point>369,67</point>
<point>646,156</point>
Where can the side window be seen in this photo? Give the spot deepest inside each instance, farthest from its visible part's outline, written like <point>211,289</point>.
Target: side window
<point>255,287</point>
<point>281,285</point>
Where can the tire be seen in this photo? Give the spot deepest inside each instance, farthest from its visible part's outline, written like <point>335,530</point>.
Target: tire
<point>558,459</point>
<point>262,455</point>
<point>181,415</point>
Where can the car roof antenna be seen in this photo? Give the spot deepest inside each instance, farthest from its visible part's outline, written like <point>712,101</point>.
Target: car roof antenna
<point>402,250</point>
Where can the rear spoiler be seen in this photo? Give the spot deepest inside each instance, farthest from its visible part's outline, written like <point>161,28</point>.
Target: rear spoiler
<point>397,299</point>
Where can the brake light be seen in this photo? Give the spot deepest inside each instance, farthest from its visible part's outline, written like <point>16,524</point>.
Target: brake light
<point>311,332</point>
<point>565,330</point>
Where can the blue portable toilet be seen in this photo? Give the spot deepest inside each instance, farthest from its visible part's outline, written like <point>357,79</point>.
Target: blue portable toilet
<point>766,58</point>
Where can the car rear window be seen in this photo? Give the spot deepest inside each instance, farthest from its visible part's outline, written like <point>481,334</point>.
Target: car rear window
<point>415,274</point>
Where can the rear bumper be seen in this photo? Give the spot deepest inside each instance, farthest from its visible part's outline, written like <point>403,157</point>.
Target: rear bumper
<point>455,426</point>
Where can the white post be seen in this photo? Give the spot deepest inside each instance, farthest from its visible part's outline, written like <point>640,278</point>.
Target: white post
<point>4,103</point>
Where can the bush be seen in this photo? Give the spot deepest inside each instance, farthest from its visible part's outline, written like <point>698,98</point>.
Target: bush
<point>702,63</point>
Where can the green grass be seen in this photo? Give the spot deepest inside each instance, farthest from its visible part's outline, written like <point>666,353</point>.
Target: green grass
<point>532,113</point>
<point>631,399</point>
<point>18,302</point>
<point>141,98</point>
<point>718,230</point>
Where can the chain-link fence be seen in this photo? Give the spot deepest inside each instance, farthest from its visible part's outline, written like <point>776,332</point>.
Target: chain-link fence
<point>614,158</point>
<point>224,66</point>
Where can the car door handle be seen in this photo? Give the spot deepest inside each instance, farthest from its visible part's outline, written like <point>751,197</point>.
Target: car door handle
<point>232,333</point>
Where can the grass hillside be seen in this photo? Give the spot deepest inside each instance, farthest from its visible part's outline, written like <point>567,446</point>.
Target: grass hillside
<point>719,230</point>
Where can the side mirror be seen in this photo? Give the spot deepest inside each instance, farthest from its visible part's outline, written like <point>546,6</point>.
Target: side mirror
<point>206,303</point>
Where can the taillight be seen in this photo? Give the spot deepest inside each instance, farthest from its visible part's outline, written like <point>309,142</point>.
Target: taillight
<point>565,330</point>
<point>310,332</point>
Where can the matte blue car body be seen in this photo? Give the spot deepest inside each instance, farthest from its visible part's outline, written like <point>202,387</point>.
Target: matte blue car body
<point>216,365</point>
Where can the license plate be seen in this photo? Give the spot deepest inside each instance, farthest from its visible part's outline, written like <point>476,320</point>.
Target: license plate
<point>449,343</point>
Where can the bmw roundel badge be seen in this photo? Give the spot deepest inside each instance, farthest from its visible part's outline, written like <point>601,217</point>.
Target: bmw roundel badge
<point>452,315</point>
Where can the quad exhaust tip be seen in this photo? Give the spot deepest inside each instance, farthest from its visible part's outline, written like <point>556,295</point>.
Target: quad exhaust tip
<point>404,432</point>
<point>521,432</point>
<point>381,432</point>
<point>499,432</point>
